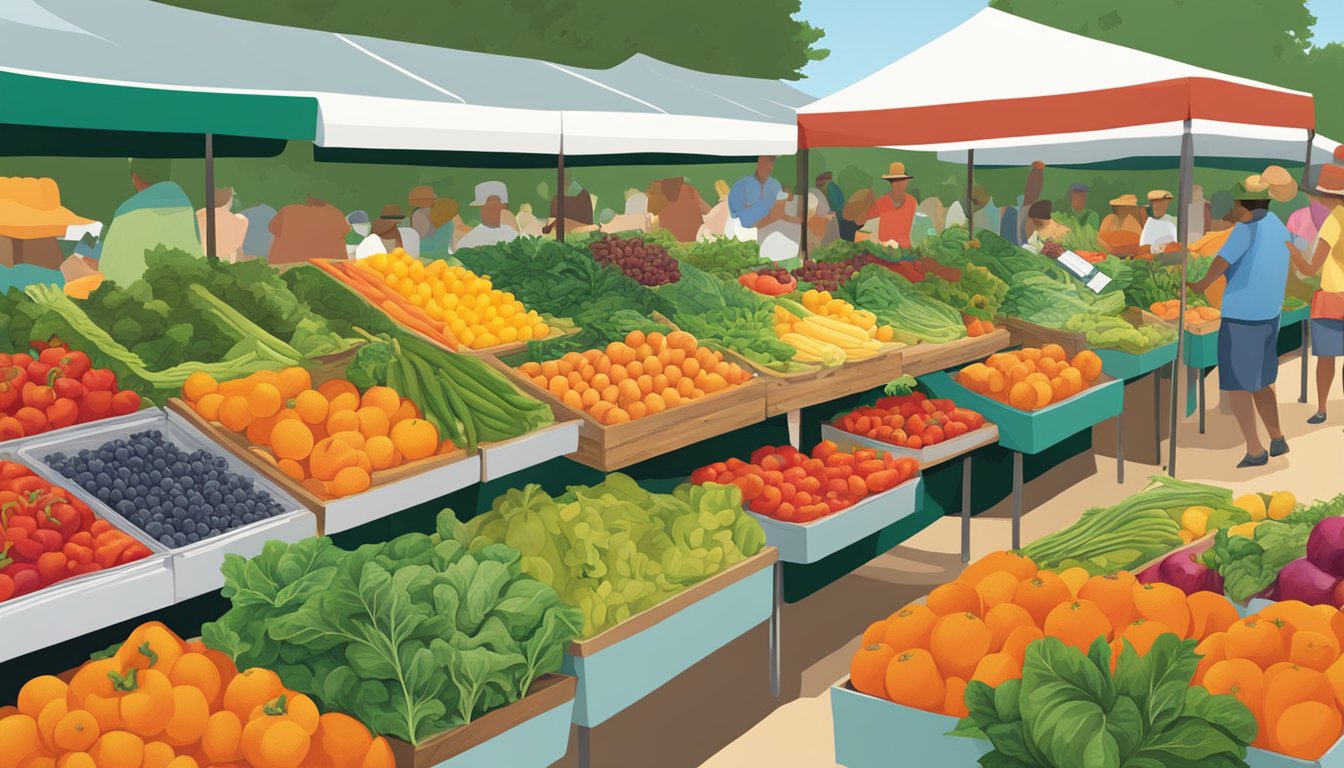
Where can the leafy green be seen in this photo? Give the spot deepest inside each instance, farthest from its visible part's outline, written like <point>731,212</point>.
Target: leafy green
<point>412,636</point>
<point>341,308</point>
<point>1250,565</point>
<point>725,314</point>
<point>844,250</point>
<point>615,549</point>
<point>369,367</point>
<point>914,316</point>
<point>1111,332</point>
<point>1069,709</point>
<point>725,257</point>
<point>1039,299</point>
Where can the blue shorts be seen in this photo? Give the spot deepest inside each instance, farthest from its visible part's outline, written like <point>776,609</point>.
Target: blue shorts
<point>1248,359</point>
<point>1327,338</point>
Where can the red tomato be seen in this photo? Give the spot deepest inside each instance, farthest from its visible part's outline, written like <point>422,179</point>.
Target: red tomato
<point>772,477</point>
<point>785,512</point>
<point>767,502</point>
<point>933,435</point>
<point>751,485</point>
<point>913,441</point>
<point>703,475</point>
<point>840,460</point>
<point>810,484</point>
<point>915,425</point>
<point>823,449</point>
<point>787,491</point>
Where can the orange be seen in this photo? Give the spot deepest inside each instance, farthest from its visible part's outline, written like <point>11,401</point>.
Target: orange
<point>311,406</point>
<point>909,627</point>
<point>264,400</point>
<point>958,642</point>
<point>1015,563</point>
<point>349,481</point>
<point>1142,633</point>
<point>345,401</point>
<point>1210,650</point>
<point>997,587</point>
<point>234,413</point>
<point>1078,624</point>
<point>198,385</point>
<point>291,439</point>
<point>1002,619</point>
<point>259,431</point>
<point>1040,595</point>
<point>1257,640</point>
<point>1113,596</point>
<point>351,437</point>
<point>342,421</point>
<point>406,410</point>
<point>913,680</point>
<point>292,468</point>
<point>1211,612</point>
<point>373,421</point>
<point>292,381</point>
<point>1018,639</point>
<point>954,597</point>
<point>333,387</point>
<point>385,399</point>
<point>415,439</point>
<point>954,701</point>
<point>382,454</point>
<point>1164,603</point>
<point>997,668</point>
<point>1307,729</point>
<point>208,406</point>
<point>330,456</point>
<point>868,669</point>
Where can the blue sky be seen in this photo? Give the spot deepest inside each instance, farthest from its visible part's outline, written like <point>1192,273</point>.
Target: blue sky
<point>865,35</point>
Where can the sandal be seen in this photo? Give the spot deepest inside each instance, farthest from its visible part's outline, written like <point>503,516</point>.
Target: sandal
<point>1254,461</point>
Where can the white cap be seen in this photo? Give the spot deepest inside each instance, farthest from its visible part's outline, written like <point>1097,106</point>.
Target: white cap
<point>488,189</point>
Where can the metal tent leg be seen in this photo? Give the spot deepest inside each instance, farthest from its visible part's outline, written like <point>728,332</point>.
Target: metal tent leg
<point>1157,417</point>
<point>1120,449</point>
<point>1200,384</point>
<point>966,509</point>
<point>1306,357</point>
<point>774,629</point>
<point>585,748</point>
<point>1017,499</point>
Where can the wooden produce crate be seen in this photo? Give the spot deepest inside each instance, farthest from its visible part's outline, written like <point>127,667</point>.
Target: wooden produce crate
<point>532,732</point>
<point>611,447</point>
<point>622,665</point>
<point>928,456</point>
<point>786,392</point>
<point>920,359</point>
<point>499,349</point>
<point>393,489</point>
<point>811,541</point>
<point>1032,335</point>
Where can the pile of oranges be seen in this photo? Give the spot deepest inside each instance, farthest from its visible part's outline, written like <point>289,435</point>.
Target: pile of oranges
<point>330,438</point>
<point>639,377</point>
<point>1284,663</point>
<point>476,314</point>
<point>1030,379</point>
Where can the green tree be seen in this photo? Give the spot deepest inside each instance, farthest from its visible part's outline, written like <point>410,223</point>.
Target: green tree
<point>1265,41</point>
<point>751,38</point>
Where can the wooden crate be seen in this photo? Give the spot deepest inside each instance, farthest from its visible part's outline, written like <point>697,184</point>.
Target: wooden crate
<point>431,477</point>
<point>510,348</point>
<point>611,447</point>
<point>548,692</point>
<point>786,392</point>
<point>1030,334</point>
<point>927,358</point>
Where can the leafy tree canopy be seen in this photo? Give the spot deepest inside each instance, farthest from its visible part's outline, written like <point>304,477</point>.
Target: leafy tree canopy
<point>751,38</point>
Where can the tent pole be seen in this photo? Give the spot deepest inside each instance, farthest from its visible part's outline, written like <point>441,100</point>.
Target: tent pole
<point>970,184</point>
<point>210,197</point>
<point>1182,237</point>
<point>560,192</point>
<point>802,190</point>
<point>1306,166</point>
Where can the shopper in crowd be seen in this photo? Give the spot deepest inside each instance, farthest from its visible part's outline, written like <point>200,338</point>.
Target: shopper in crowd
<point>230,227</point>
<point>385,227</point>
<point>528,223</point>
<point>158,214</point>
<point>1120,230</point>
<point>678,206</point>
<point>492,198</point>
<point>1159,230</point>
<point>1327,304</point>
<point>894,211</point>
<point>933,207</point>
<point>422,199</point>
<point>1305,223</point>
<point>1031,193</point>
<point>257,243</point>
<point>835,202</point>
<point>1255,259</point>
<point>1012,222</point>
<point>822,222</point>
<point>986,214</point>
<point>448,226</point>
<point>578,211</point>
<point>313,229</point>
<point>755,200</point>
<point>1042,226</point>
<point>1078,211</point>
<point>636,217</point>
<point>716,221</point>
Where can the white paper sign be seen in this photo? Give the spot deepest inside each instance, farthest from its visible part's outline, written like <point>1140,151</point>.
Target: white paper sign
<point>1098,282</point>
<point>1075,264</point>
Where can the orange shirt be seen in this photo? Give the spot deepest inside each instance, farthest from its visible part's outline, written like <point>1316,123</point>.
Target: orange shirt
<point>893,222</point>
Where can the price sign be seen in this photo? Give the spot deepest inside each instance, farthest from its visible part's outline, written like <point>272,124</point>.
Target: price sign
<point>1098,282</point>
<point>1075,264</point>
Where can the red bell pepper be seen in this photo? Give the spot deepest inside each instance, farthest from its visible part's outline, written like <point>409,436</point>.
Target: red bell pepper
<point>40,395</point>
<point>25,578</point>
<point>39,371</point>
<point>64,412</point>
<point>70,363</point>
<point>124,402</point>
<point>67,386</point>
<point>50,540</point>
<point>23,547</point>
<point>34,421</point>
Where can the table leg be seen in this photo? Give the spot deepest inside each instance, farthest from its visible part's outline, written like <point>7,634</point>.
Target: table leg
<point>1157,417</point>
<point>1306,357</point>
<point>1120,450</point>
<point>795,418</point>
<point>966,509</point>
<point>585,749</point>
<point>1017,499</point>
<point>1201,401</point>
<point>774,629</point>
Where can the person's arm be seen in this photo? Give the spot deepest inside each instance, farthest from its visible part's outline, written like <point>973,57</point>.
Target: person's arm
<point>749,215</point>
<point>1309,268</point>
<point>1217,267</point>
<point>1035,182</point>
<point>1238,243</point>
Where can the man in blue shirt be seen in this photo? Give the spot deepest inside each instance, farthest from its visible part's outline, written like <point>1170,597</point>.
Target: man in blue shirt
<point>835,197</point>
<point>1255,260</point>
<point>754,200</point>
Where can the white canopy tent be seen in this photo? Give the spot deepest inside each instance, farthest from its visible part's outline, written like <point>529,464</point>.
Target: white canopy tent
<point>1095,91</point>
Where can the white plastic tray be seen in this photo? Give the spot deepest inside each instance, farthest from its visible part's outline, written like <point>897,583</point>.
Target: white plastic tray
<point>812,541</point>
<point>549,442</point>
<point>195,567</point>
<point>988,434</point>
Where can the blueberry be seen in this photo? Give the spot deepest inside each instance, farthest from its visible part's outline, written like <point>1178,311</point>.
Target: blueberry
<point>154,528</point>
<point>166,540</point>
<point>248,517</point>
<point>113,495</point>
<point>180,538</point>
<point>202,529</point>
<point>192,538</point>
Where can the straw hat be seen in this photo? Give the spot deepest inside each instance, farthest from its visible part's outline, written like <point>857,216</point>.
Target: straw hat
<point>1253,188</point>
<point>896,172</point>
<point>1282,187</point>
<point>422,196</point>
<point>1159,194</point>
<point>1126,200</point>
<point>1331,180</point>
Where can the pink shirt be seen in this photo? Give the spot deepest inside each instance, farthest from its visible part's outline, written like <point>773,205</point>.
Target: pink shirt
<point>1303,224</point>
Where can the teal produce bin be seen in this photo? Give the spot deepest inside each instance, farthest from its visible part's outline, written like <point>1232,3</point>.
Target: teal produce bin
<point>532,732</point>
<point>631,660</point>
<point>1201,349</point>
<point>1291,316</point>
<point>876,733</point>
<point>1127,365</point>
<point>1035,431</point>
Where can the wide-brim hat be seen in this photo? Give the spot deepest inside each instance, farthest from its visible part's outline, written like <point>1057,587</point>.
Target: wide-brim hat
<point>1331,180</point>
<point>488,189</point>
<point>422,196</point>
<point>1282,185</point>
<point>1126,200</point>
<point>392,212</point>
<point>1159,194</point>
<point>896,172</point>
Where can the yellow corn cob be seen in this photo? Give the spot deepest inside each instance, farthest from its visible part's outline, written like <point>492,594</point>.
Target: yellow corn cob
<point>837,329</point>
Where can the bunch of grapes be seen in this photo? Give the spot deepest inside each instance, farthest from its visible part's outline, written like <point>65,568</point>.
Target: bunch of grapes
<point>644,262</point>
<point>828,275</point>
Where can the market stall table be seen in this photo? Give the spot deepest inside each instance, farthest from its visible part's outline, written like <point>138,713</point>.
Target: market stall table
<point>931,456</point>
<point>1129,367</point>
<point>1034,431</point>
